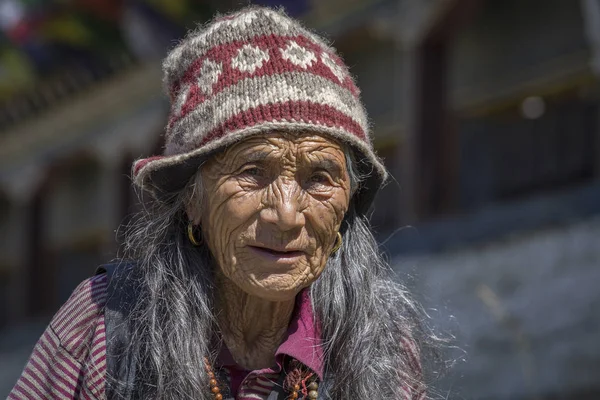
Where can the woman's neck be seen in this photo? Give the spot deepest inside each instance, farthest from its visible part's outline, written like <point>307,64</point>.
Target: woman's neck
<point>252,328</point>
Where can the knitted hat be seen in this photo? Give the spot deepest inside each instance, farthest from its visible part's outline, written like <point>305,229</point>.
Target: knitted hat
<point>249,73</point>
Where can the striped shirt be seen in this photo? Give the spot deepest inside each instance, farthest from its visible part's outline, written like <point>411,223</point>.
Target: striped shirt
<point>69,360</point>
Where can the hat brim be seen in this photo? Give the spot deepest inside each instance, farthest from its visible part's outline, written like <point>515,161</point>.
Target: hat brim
<point>165,175</point>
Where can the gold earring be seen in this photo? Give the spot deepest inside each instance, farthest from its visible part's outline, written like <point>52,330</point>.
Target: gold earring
<point>191,237</point>
<point>338,243</point>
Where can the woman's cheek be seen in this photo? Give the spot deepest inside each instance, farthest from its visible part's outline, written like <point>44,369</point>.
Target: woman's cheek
<point>327,219</point>
<point>216,227</point>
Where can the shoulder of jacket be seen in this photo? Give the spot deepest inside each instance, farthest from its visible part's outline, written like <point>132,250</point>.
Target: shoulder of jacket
<point>78,320</point>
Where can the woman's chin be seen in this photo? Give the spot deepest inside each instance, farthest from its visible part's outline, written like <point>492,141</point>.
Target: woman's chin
<point>271,289</point>
<point>273,280</point>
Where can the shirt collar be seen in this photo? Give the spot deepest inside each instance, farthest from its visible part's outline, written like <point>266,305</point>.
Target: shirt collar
<point>302,340</point>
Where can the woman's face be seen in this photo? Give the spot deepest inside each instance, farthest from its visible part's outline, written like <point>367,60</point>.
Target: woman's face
<point>271,210</point>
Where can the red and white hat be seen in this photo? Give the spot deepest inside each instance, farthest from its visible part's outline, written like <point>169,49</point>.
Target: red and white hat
<point>249,73</point>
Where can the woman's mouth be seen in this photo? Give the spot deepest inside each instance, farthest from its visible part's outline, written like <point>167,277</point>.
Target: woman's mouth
<point>277,255</point>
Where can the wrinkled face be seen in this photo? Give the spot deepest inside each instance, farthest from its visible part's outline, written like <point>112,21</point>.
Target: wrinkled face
<point>271,211</point>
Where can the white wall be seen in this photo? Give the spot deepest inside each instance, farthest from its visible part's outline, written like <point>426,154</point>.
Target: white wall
<point>524,309</point>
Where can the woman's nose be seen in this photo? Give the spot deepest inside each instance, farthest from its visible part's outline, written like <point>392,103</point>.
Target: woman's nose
<point>284,207</point>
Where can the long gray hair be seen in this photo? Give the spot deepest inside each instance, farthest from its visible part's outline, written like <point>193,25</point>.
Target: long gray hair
<point>372,330</point>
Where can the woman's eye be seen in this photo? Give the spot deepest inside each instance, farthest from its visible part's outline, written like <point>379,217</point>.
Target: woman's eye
<point>254,172</point>
<point>319,178</point>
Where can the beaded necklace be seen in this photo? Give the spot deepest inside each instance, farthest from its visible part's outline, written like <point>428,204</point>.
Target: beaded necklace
<point>311,390</point>
<point>212,381</point>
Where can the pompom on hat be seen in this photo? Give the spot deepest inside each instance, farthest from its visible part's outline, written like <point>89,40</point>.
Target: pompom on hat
<point>253,72</point>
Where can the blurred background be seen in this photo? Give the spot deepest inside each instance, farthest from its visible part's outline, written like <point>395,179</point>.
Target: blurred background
<point>486,112</point>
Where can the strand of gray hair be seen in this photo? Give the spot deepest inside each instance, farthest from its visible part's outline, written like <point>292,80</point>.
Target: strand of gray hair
<point>370,324</point>
<point>172,324</point>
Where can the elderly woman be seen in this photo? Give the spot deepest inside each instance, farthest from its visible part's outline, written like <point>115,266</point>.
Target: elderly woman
<point>255,274</point>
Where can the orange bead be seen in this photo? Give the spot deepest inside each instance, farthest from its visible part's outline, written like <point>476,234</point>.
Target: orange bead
<point>218,396</point>
<point>212,382</point>
<point>294,395</point>
<point>215,389</point>
<point>296,387</point>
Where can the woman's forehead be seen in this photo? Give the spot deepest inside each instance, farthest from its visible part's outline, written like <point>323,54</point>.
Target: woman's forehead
<point>306,145</point>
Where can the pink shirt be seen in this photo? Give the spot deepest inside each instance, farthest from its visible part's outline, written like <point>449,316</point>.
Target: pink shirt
<point>69,360</point>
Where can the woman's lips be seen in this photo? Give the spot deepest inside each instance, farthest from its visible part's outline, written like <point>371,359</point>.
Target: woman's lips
<point>277,255</point>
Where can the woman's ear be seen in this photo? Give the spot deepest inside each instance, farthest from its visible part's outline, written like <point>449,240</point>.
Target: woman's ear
<point>193,200</point>
<point>193,214</point>
<point>193,208</point>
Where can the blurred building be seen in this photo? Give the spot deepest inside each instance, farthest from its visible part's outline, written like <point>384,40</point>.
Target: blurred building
<point>485,111</point>
<point>91,103</point>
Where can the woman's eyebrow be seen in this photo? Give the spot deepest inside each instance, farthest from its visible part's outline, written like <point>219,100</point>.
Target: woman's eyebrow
<point>255,156</point>
<point>327,164</point>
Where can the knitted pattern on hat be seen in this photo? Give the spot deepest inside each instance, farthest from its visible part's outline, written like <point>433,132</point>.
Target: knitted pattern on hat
<point>249,73</point>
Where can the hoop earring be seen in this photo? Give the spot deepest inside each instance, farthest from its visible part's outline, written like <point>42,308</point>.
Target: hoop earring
<point>338,243</point>
<point>191,237</point>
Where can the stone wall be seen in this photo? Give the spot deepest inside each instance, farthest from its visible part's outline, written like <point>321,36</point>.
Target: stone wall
<point>524,311</point>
